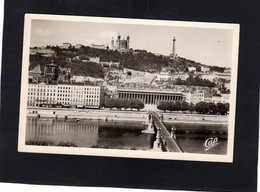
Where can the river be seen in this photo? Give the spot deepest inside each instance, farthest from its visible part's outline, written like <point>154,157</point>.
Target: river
<point>121,135</point>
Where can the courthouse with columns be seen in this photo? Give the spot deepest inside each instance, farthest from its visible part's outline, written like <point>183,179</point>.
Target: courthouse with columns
<point>150,97</point>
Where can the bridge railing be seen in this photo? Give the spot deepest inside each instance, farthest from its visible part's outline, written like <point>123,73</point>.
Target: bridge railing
<point>168,141</point>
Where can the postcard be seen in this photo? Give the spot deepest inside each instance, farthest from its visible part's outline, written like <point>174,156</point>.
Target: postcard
<point>129,88</point>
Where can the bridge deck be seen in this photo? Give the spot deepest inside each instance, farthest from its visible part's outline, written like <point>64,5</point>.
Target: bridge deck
<point>171,143</point>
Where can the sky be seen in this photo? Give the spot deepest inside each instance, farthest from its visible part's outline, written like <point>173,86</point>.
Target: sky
<point>204,45</point>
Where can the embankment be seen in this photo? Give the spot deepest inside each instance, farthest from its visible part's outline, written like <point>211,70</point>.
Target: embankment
<point>124,115</point>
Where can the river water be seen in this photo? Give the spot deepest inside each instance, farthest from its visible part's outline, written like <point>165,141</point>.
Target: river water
<point>121,135</point>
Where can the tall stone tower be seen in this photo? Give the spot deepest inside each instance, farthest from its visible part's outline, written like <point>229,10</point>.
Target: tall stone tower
<point>118,41</point>
<point>128,41</point>
<point>112,43</point>
<point>173,48</point>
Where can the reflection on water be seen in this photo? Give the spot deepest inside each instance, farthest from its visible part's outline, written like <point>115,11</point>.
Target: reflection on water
<point>192,137</point>
<point>122,135</point>
<point>89,133</point>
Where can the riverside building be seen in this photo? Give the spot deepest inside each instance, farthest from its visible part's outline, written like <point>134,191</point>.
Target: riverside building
<point>150,97</point>
<point>66,95</point>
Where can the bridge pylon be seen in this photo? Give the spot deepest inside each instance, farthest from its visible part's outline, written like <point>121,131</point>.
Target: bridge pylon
<point>150,126</point>
<point>157,146</point>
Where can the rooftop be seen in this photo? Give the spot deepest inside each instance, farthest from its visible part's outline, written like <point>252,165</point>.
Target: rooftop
<point>65,83</point>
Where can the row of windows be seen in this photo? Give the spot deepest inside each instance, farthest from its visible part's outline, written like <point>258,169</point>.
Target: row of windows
<point>35,85</point>
<point>41,94</point>
<point>78,92</point>
<point>79,88</point>
<point>62,99</point>
<point>34,93</point>
<point>62,95</point>
<point>66,103</point>
<point>65,87</point>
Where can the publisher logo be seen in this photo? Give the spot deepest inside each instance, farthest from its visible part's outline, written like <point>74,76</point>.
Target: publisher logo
<point>211,142</point>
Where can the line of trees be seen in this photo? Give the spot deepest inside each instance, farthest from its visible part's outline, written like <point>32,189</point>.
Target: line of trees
<point>190,81</point>
<point>124,104</point>
<point>201,107</point>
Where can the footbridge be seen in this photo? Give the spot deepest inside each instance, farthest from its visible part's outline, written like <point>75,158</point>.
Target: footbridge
<point>165,140</point>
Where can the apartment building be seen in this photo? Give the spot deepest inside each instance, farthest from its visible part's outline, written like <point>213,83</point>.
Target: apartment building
<point>69,95</point>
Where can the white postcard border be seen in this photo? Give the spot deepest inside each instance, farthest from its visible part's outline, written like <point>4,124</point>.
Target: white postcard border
<point>127,153</point>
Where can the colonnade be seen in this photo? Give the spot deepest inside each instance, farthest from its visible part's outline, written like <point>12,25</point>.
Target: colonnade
<point>150,98</point>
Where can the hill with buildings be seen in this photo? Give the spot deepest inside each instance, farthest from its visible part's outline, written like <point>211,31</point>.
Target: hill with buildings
<point>81,62</point>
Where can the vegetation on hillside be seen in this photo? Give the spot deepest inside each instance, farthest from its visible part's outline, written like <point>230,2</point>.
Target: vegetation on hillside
<point>138,60</point>
<point>190,81</point>
<point>77,66</point>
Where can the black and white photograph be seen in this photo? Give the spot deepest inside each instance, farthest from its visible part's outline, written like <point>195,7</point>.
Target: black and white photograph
<point>128,88</point>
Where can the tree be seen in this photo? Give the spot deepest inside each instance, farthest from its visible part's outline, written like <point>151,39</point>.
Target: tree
<point>178,106</point>
<point>222,108</point>
<point>110,103</point>
<point>139,104</point>
<point>184,106</point>
<point>119,104</point>
<point>126,104</point>
<point>163,105</point>
<point>171,106</point>
<point>132,104</point>
<point>191,107</point>
<point>129,73</point>
<point>202,107</point>
<point>227,106</point>
<point>212,108</point>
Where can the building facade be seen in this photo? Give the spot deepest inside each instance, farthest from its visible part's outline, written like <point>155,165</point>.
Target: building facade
<point>66,45</point>
<point>149,97</point>
<point>205,69</point>
<point>71,95</point>
<point>180,75</point>
<point>78,46</point>
<point>51,73</point>
<point>120,44</point>
<point>110,64</point>
<point>191,68</point>
<point>195,97</point>
<point>45,52</point>
<point>95,46</point>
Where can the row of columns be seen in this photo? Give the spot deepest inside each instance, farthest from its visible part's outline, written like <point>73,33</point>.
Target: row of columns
<point>150,98</point>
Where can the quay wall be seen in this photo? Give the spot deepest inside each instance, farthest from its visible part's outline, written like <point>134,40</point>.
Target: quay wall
<point>124,115</point>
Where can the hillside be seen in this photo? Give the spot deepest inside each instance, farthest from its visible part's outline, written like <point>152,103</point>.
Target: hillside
<point>77,67</point>
<point>135,59</point>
